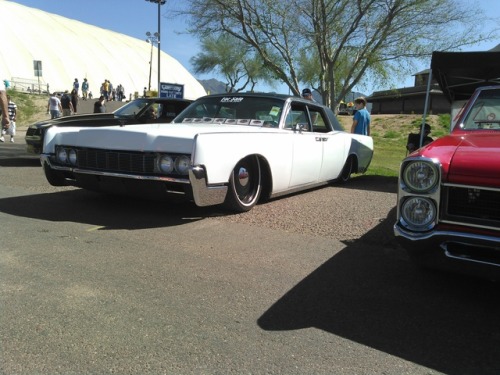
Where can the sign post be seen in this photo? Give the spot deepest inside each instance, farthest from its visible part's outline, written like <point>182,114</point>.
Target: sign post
<point>37,67</point>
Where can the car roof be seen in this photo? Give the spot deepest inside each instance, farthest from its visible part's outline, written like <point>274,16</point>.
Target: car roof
<point>269,95</point>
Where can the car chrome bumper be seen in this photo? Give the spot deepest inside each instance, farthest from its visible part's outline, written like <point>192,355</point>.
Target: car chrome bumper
<point>203,194</point>
<point>469,247</point>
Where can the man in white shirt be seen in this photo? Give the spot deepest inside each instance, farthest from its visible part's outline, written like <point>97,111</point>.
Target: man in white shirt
<point>54,106</point>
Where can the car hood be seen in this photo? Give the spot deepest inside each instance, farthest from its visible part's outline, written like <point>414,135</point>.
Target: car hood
<point>468,158</point>
<point>61,121</point>
<point>148,137</point>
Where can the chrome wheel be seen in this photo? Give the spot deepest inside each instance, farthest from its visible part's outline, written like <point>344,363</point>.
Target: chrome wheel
<point>244,185</point>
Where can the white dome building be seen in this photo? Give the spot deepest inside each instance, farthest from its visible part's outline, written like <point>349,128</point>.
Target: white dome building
<point>70,49</point>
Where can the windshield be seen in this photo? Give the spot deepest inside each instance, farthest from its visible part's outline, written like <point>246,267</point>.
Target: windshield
<point>132,108</point>
<point>254,111</point>
<point>485,113</point>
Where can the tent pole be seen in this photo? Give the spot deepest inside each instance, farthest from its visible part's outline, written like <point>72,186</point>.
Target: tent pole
<point>426,105</point>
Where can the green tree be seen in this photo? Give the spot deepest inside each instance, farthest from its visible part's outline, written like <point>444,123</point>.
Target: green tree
<point>334,45</point>
<point>233,59</point>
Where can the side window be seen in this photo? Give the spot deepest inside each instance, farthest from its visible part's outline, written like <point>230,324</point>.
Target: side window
<point>319,122</point>
<point>333,120</point>
<point>297,117</point>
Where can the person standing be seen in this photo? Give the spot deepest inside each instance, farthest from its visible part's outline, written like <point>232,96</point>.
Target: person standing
<point>105,89</point>
<point>361,119</point>
<point>12,109</point>
<point>4,107</point>
<point>307,94</point>
<point>74,101</point>
<point>110,91</point>
<point>67,106</point>
<point>54,106</point>
<point>121,92</point>
<point>85,89</point>
<point>99,106</point>
<point>76,86</point>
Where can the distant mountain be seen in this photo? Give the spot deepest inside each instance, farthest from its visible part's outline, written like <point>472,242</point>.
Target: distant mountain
<point>212,86</point>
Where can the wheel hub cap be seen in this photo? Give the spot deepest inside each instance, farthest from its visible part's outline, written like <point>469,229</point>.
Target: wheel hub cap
<point>243,176</point>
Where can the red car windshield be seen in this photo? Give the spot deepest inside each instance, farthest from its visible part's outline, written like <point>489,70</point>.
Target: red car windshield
<point>485,112</point>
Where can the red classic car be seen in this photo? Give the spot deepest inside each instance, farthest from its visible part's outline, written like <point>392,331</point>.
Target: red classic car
<point>448,205</point>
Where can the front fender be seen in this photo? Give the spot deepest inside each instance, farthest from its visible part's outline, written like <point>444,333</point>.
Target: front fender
<point>219,153</point>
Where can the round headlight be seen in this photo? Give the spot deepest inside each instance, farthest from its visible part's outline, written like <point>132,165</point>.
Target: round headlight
<point>421,176</point>
<point>418,212</point>
<point>182,164</point>
<point>72,156</point>
<point>62,156</point>
<point>165,164</point>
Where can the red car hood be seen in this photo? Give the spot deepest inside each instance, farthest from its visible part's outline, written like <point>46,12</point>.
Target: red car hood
<point>468,158</point>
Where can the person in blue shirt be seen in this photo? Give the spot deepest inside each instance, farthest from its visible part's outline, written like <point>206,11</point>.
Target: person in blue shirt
<point>361,119</point>
<point>76,85</point>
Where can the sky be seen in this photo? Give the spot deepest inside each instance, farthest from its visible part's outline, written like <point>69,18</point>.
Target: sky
<point>135,17</point>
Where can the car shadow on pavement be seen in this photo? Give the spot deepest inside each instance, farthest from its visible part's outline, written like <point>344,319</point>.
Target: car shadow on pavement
<point>20,162</point>
<point>371,294</point>
<point>381,184</point>
<point>15,155</point>
<point>106,211</point>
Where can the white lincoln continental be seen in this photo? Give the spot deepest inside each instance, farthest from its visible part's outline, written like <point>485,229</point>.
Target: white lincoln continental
<point>231,149</point>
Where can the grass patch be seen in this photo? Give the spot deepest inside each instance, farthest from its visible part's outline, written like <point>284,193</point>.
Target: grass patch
<point>28,105</point>
<point>390,133</point>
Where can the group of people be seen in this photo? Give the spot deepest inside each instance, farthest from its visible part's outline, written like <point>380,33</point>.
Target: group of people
<point>361,119</point>
<point>111,93</point>
<point>107,90</point>
<point>64,105</point>
<point>9,113</point>
<point>67,103</point>
<point>86,94</point>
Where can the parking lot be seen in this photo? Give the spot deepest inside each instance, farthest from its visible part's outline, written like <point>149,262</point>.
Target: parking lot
<point>308,284</point>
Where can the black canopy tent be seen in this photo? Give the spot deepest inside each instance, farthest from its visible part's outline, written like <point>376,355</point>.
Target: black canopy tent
<point>460,73</point>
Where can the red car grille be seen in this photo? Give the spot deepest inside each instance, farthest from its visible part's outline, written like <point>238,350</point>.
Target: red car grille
<point>471,206</point>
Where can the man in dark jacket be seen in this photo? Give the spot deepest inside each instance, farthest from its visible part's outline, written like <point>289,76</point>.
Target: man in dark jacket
<point>67,106</point>
<point>99,106</point>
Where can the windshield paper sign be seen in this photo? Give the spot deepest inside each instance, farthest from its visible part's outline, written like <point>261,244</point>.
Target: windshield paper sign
<point>231,100</point>
<point>171,90</point>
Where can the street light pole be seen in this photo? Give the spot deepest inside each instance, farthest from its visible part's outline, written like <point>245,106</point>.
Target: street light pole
<point>151,38</point>
<point>160,3</point>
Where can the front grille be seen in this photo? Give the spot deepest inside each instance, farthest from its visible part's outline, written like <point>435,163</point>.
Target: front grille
<point>116,161</point>
<point>469,205</point>
<point>33,131</point>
